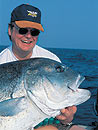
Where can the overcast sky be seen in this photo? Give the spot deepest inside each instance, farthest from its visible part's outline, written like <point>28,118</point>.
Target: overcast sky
<point>67,23</point>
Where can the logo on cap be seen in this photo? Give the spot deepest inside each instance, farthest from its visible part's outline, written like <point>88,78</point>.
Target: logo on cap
<point>33,14</point>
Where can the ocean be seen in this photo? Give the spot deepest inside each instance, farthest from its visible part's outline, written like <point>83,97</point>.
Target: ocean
<point>86,63</point>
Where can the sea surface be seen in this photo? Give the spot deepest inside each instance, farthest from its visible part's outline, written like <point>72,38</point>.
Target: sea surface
<point>86,63</point>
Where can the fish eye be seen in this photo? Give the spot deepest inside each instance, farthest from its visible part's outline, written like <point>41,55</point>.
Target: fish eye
<point>60,68</point>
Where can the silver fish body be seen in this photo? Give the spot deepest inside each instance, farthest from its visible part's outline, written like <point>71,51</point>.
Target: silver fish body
<point>35,89</point>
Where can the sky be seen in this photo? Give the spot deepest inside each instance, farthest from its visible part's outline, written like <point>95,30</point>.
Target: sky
<point>69,24</point>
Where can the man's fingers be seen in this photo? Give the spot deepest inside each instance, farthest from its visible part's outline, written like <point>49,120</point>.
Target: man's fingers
<point>72,109</point>
<point>69,111</point>
<point>61,117</point>
<point>67,114</point>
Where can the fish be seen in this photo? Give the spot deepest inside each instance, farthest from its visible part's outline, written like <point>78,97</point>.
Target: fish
<point>37,88</point>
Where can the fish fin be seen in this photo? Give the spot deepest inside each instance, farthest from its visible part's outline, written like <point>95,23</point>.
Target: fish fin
<point>12,107</point>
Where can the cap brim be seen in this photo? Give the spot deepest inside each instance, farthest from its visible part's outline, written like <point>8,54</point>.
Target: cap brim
<point>25,24</point>
<point>73,98</point>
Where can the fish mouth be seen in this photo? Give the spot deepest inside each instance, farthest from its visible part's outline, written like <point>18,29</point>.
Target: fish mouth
<point>49,97</point>
<point>75,98</point>
<point>69,99</point>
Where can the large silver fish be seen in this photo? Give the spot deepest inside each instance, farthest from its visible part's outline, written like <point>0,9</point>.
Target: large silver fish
<point>35,89</point>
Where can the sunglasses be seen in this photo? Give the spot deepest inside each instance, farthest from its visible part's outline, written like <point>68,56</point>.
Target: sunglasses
<point>24,31</point>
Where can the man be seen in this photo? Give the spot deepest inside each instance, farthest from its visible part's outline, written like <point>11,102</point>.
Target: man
<point>23,31</point>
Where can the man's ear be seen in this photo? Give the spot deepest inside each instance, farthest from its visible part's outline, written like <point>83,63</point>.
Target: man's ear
<point>9,30</point>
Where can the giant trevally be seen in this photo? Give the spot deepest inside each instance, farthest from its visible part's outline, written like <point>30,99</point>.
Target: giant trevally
<point>35,89</point>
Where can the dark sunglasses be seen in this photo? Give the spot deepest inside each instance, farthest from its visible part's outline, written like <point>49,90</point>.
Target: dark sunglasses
<point>23,31</point>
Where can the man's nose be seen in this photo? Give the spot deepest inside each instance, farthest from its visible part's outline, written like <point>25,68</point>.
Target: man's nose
<point>28,34</point>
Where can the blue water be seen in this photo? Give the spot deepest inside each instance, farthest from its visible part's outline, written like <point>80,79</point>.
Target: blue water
<point>86,63</point>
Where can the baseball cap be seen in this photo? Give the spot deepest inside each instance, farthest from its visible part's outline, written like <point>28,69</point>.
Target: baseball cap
<point>26,15</point>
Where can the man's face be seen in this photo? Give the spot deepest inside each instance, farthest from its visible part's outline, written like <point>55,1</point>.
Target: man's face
<point>23,42</point>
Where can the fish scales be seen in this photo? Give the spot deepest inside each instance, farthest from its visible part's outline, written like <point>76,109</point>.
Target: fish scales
<point>34,89</point>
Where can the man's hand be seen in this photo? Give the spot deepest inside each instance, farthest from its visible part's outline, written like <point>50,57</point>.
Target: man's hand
<point>67,114</point>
